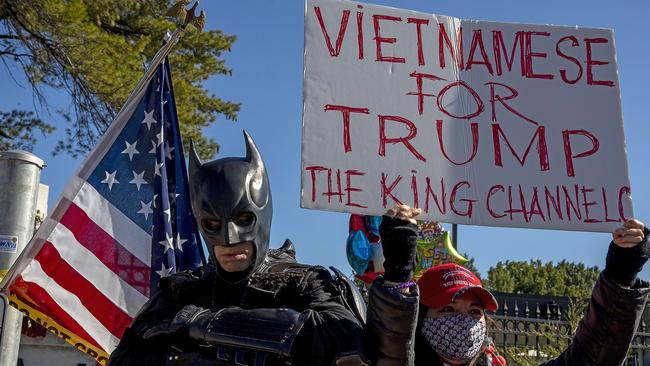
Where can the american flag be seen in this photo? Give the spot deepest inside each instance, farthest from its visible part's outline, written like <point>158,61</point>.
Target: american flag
<point>123,222</point>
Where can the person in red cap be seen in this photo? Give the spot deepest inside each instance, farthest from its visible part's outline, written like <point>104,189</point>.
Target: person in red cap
<point>441,321</point>
<point>453,305</point>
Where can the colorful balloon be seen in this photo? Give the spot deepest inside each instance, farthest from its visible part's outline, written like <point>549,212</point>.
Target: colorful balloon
<point>434,248</point>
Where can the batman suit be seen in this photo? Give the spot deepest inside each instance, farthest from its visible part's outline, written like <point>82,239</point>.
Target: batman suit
<point>273,312</point>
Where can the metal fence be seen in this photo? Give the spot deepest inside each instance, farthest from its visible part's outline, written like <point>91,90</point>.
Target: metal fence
<point>529,330</point>
<point>641,344</point>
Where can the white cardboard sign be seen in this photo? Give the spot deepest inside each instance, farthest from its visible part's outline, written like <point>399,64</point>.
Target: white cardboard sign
<point>523,128</point>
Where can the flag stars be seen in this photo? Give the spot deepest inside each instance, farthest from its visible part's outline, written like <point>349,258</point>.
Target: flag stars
<point>157,169</point>
<point>164,271</point>
<point>153,147</point>
<point>155,144</point>
<point>168,150</point>
<point>110,179</point>
<point>138,179</point>
<point>159,137</point>
<point>179,242</point>
<point>148,119</point>
<point>172,197</point>
<point>130,149</point>
<point>168,243</point>
<point>145,209</point>
<point>168,214</point>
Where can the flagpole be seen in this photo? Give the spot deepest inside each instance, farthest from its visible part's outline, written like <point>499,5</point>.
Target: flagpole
<point>60,304</point>
<point>158,58</point>
<point>163,52</point>
<point>102,147</point>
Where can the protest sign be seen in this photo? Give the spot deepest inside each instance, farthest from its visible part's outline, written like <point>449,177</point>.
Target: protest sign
<point>474,122</point>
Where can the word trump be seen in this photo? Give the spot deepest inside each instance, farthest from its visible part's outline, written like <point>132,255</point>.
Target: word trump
<point>498,138</point>
<point>475,122</point>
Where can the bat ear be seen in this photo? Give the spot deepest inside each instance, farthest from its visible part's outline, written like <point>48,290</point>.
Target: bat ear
<point>195,161</point>
<point>259,189</point>
<point>252,154</point>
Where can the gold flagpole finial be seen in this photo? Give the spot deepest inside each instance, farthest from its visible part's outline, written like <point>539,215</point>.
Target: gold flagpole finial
<point>178,9</point>
<point>188,16</point>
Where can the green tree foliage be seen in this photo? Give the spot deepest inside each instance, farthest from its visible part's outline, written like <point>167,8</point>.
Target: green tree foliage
<point>471,265</point>
<point>562,279</point>
<point>18,130</point>
<point>95,51</point>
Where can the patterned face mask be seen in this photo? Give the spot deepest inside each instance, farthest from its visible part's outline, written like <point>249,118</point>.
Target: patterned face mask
<point>457,337</point>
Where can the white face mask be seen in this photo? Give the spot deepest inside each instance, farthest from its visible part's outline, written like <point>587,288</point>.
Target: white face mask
<point>457,337</point>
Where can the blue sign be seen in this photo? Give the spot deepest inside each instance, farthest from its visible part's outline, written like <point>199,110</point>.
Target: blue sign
<point>8,243</point>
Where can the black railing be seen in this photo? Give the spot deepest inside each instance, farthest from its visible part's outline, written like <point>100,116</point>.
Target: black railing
<point>529,330</point>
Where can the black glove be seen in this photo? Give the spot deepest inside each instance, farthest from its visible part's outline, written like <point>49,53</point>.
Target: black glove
<point>622,264</point>
<point>271,330</point>
<point>398,241</point>
<point>181,321</point>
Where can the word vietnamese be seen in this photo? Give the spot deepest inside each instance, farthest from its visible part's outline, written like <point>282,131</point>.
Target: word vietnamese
<point>509,116</point>
<point>567,203</point>
<point>572,51</point>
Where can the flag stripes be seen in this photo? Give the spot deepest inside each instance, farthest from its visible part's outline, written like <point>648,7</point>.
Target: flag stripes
<point>108,250</point>
<point>103,277</point>
<point>62,303</point>
<point>106,216</point>
<point>124,221</point>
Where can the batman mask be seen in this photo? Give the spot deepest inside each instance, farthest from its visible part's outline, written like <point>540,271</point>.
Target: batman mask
<point>231,200</point>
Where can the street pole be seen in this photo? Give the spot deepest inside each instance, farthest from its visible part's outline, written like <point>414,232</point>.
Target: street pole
<point>20,173</point>
<point>454,235</point>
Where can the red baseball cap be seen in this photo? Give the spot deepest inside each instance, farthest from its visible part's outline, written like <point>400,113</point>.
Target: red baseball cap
<point>441,285</point>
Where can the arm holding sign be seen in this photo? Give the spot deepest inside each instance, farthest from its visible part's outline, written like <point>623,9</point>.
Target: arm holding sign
<point>617,301</point>
<point>396,317</point>
<point>393,299</point>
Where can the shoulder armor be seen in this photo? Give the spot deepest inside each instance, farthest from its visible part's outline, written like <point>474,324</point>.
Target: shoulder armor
<point>276,259</point>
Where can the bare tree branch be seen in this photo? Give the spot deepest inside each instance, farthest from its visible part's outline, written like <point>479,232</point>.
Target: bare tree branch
<point>10,53</point>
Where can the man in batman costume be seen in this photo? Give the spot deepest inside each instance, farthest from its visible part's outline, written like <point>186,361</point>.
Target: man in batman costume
<point>251,305</point>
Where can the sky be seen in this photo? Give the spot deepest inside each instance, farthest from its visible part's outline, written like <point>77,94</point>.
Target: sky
<point>267,63</point>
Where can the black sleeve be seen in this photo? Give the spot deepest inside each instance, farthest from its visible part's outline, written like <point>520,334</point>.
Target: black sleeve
<point>606,331</point>
<point>390,327</point>
<point>331,331</point>
<point>398,241</point>
<point>133,349</point>
<point>623,264</point>
<point>173,294</point>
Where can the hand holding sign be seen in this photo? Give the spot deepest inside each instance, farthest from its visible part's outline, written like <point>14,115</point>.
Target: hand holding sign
<point>630,235</point>
<point>404,212</point>
<point>398,231</point>
<point>627,253</point>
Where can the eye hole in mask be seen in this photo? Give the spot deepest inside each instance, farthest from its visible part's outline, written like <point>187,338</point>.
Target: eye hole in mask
<point>244,219</point>
<point>211,225</point>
